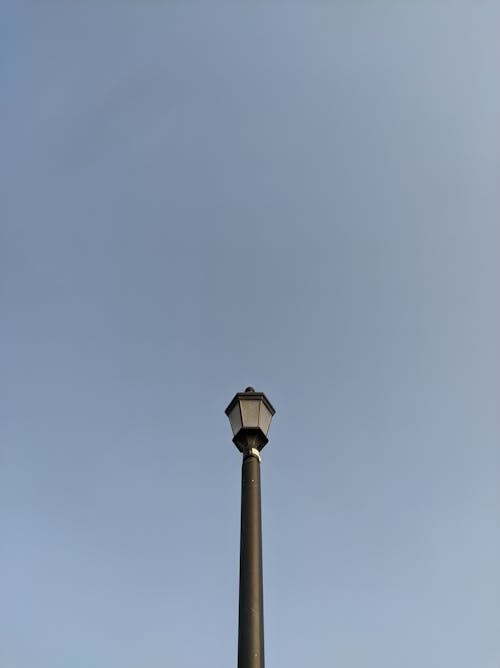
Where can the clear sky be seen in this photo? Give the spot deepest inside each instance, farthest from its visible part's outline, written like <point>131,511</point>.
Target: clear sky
<point>302,197</point>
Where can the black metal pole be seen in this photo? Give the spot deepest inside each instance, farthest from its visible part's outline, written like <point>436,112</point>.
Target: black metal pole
<point>251,613</point>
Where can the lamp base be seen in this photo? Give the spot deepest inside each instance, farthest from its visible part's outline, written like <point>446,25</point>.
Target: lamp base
<point>249,438</point>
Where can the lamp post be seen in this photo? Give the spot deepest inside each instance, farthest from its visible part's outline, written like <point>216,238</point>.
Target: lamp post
<point>250,414</point>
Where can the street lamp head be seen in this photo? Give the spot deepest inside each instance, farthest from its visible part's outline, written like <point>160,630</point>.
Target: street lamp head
<point>250,414</point>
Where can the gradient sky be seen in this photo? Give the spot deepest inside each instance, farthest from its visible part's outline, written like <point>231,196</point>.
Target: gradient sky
<point>303,197</point>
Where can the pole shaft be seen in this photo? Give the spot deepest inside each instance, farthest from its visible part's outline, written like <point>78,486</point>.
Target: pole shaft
<point>251,613</point>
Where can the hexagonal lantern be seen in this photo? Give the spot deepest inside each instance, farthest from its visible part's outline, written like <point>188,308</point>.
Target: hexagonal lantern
<point>250,414</point>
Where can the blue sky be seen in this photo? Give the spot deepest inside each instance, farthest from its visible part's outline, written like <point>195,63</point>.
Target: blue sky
<point>298,196</point>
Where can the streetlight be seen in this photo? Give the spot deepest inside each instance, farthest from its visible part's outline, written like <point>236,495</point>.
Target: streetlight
<point>250,414</point>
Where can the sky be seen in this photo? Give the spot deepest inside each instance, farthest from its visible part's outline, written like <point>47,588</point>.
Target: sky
<point>302,197</point>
